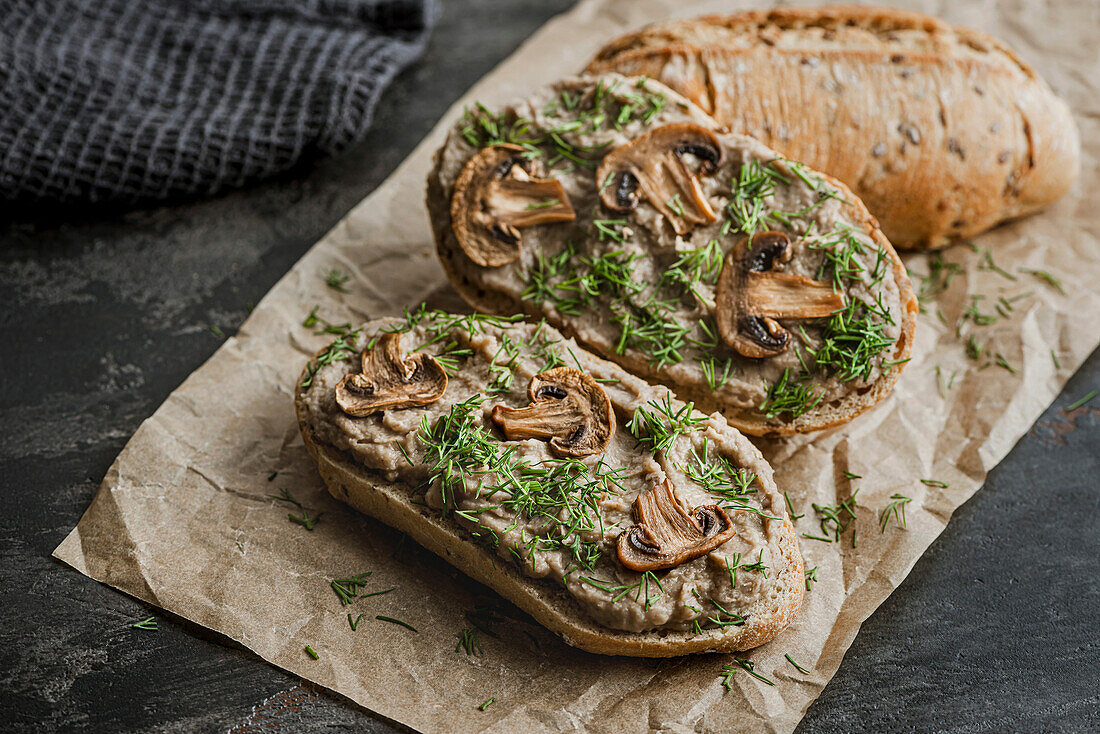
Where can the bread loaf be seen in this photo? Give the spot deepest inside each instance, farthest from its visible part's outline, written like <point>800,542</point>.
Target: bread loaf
<point>941,130</point>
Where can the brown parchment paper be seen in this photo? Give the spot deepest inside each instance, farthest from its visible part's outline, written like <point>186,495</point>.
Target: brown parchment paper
<point>182,519</point>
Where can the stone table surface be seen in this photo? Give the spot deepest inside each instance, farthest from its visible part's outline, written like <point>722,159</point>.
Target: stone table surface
<point>996,629</point>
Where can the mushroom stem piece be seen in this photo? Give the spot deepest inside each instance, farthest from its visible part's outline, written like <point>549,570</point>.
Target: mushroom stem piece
<point>752,294</point>
<point>653,165</point>
<point>390,381</point>
<point>666,536</point>
<point>567,407</point>
<point>494,197</point>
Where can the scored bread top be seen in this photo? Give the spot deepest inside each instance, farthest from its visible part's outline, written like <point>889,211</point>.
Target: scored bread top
<point>634,291</point>
<point>942,130</point>
<point>557,519</point>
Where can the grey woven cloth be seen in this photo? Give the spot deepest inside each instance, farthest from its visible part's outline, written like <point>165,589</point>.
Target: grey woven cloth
<point>130,101</point>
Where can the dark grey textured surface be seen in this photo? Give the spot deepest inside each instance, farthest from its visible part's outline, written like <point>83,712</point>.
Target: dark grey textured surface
<point>995,629</point>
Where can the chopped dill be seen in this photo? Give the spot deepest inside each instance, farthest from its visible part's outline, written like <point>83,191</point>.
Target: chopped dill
<point>896,510</point>
<point>304,519</point>
<point>391,620</point>
<point>728,671</point>
<point>337,279</point>
<point>468,641</point>
<point>798,667</point>
<point>657,425</point>
<point>1083,401</point>
<point>1054,282</point>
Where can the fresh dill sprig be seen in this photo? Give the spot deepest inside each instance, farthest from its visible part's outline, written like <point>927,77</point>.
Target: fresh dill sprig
<point>648,585</point>
<point>342,349</point>
<point>336,279</point>
<point>792,396</point>
<point>895,509</point>
<point>798,667</point>
<point>728,671</point>
<point>657,425</point>
<point>853,338</point>
<point>347,589</point>
<point>732,570</point>
<point>469,641</point>
<point>304,519</point>
<point>391,620</point>
<point>312,653</point>
<point>754,183</point>
<point>811,577</point>
<point>698,265</point>
<point>719,478</point>
<point>284,496</point>
<point>836,519</point>
<point>650,328</point>
<point>938,280</point>
<point>149,623</point>
<point>1079,403</point>
<point>985,262</point>
<point>759,566</point>
<point>354,623</point>
<point>217,331</point>
<point>934,483</point>
<point>487,704</point>
<point>790,508</point>
<point>841,251</point>
<point>1054,282</point>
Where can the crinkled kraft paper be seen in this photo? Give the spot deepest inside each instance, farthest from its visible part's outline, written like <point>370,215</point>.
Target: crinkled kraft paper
<point>183,519</point>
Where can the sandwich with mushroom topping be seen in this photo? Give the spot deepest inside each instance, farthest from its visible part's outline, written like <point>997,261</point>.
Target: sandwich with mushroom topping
<point>619,517</point>
<point>748,283</point>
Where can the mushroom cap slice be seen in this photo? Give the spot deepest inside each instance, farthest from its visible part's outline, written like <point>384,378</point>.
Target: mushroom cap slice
<point>652,165</point>
<point>752,294</point>
<point>494,197</point>
<point>667,536</point>
<point>390,381</point>
<point>567,407</point>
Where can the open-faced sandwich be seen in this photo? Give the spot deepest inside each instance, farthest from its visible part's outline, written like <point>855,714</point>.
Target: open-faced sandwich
<point>942,130</point>
<point>619,212</point>
<point>616,515</point>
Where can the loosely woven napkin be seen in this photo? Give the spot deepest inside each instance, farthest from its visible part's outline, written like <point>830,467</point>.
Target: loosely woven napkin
<point>137,100</point>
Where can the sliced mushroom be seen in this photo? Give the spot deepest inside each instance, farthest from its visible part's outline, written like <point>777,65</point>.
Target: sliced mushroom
<point>495,197</point>
<point>666,535</point>
<point>568,407</point>
<point>752,294</point>
<point>652,165</point>
<point>389,381</point>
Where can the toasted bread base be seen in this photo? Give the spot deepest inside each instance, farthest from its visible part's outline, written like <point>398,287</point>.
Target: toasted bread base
<point>550,606</point>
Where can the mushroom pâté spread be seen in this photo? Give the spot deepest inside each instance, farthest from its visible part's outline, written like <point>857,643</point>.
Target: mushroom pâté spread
<point>700,259</point>
<point>651,515</point>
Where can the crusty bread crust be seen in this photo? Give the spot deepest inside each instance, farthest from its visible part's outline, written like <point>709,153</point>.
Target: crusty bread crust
<point>372,495</point>
<point>750,422</point>
<point>943,131</point>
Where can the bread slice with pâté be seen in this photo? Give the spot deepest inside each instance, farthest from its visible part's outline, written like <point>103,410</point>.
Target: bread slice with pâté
<point>619,212</point>
<point>617,516</point>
